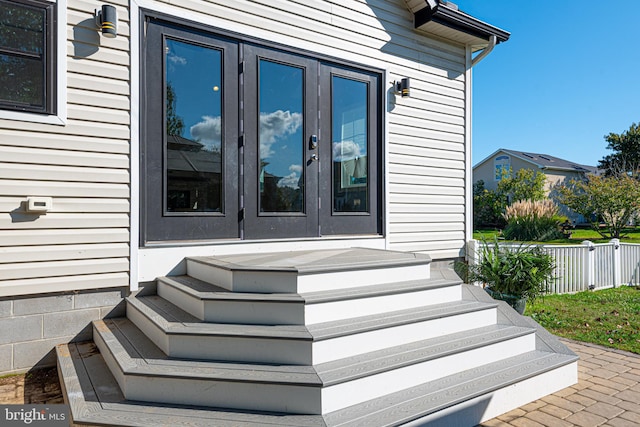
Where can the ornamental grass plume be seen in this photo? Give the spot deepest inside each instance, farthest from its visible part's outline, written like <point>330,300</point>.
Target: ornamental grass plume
<point>530,220</point>
<point>531,209</point>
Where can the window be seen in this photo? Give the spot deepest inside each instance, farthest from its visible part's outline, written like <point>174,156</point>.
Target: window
<point>502,167</point>
<point>27,45</point>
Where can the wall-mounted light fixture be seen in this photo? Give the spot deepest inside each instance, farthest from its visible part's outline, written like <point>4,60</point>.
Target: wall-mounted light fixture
<point>403,87</point>
<point>107,21</point>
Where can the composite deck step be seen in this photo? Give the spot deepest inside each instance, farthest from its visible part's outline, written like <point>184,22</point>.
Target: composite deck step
<point>466,398</point>
<point>212,303</point>
<point>179,334</point>
<point>95,399</point>
<point>307,271</point>
<point>146,373</point>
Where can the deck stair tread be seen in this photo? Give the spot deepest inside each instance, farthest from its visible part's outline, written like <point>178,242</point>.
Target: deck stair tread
<point>329,330</point>
<point>315,262</point>
<point>136,353</point>
<point>168,317</point>
<point>416,402</point>
<point>205,291</point>
<point>416,352</point>
<point>99,400</point>
<point>96,399</point>
<point>174,320</point>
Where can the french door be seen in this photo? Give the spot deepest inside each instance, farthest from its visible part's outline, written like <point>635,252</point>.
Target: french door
<point>243,141</point>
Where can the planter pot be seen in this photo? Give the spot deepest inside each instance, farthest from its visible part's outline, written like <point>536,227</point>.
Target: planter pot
<point>518,303</point>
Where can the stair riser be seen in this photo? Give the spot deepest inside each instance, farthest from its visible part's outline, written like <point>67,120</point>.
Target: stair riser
<point>243,281</point>
<point>151,330</point>
<point>297,313</point>
<point>354,278</point>
<point>491,405</point>
<point>292,282</point>
<point>360,390</point>
<point>234,311</point>
<point>349,309</point>
<point>233,349</point>
<point>221,394</point>
<point>303,352</point>
<point>188,303</point>
<point>351,345</point>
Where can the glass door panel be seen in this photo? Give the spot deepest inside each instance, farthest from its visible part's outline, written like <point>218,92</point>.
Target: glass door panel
<point>194,121</point>
<point>280,116</point>
<point>350,129</point>
<point>350,142</point>
<point>280,137</point>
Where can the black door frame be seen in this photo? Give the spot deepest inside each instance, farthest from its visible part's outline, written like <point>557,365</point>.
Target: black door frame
<point>257,224</point>
<point>180,229</point>
<point>158,225</point>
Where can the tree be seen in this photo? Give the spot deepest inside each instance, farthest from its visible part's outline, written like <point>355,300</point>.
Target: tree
<point>175,124</point>
<point>488,206</point>
<point>625,158</point>
<point>526,184</point>
<point>614,200</point>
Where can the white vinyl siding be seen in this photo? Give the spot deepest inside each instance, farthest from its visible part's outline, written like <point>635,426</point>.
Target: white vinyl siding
<point>426,132</point>
<point>84,166</point>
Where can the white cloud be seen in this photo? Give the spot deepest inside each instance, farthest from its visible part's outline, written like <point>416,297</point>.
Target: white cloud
<point>274,126</point>
<point>293,179</point>
<point>208,131</point>
<point>345,150</point>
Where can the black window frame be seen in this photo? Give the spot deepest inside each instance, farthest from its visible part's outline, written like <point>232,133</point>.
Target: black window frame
<point>48,59</point>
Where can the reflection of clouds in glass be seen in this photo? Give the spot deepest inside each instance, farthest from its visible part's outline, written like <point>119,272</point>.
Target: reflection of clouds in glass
<point>176,60</point>
<point>345,150</point>
<point>274,126</point>
<point>293,179</point>
<point>208,132</point>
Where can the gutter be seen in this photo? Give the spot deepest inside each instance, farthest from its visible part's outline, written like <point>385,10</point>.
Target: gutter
<point>493,41</point>
<point>440,13</point>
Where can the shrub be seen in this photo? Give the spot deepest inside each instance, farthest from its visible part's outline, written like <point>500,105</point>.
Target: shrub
<point>523,271</point>
<point>532,221</point>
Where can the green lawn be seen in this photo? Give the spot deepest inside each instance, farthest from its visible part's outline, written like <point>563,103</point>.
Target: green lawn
<point>609,317</point>
<point>577,236</point>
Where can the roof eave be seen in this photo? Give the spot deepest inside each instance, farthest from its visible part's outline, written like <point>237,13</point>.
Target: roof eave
<point>436,13</point>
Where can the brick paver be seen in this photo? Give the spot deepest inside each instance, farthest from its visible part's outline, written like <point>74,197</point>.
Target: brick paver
<point>586,419</point>
<point>607,394</point>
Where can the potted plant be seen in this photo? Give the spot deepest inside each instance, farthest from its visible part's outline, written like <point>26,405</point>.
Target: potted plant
<point>513,274</point>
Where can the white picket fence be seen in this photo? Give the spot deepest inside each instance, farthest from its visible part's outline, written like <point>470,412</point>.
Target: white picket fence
<point>586,266</point>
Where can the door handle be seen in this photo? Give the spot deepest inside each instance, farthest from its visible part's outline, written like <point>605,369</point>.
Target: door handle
<point>314,157</point>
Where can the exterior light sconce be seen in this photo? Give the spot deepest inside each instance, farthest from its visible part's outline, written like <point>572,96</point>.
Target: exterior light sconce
<point>107,21</point>
<point>403,87</point>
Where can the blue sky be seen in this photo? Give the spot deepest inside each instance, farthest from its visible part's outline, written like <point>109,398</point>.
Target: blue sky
<point>568,75</point>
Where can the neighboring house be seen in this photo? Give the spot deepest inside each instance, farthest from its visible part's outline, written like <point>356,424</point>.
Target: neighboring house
<point>558,171</point>
<point>227,128</point>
